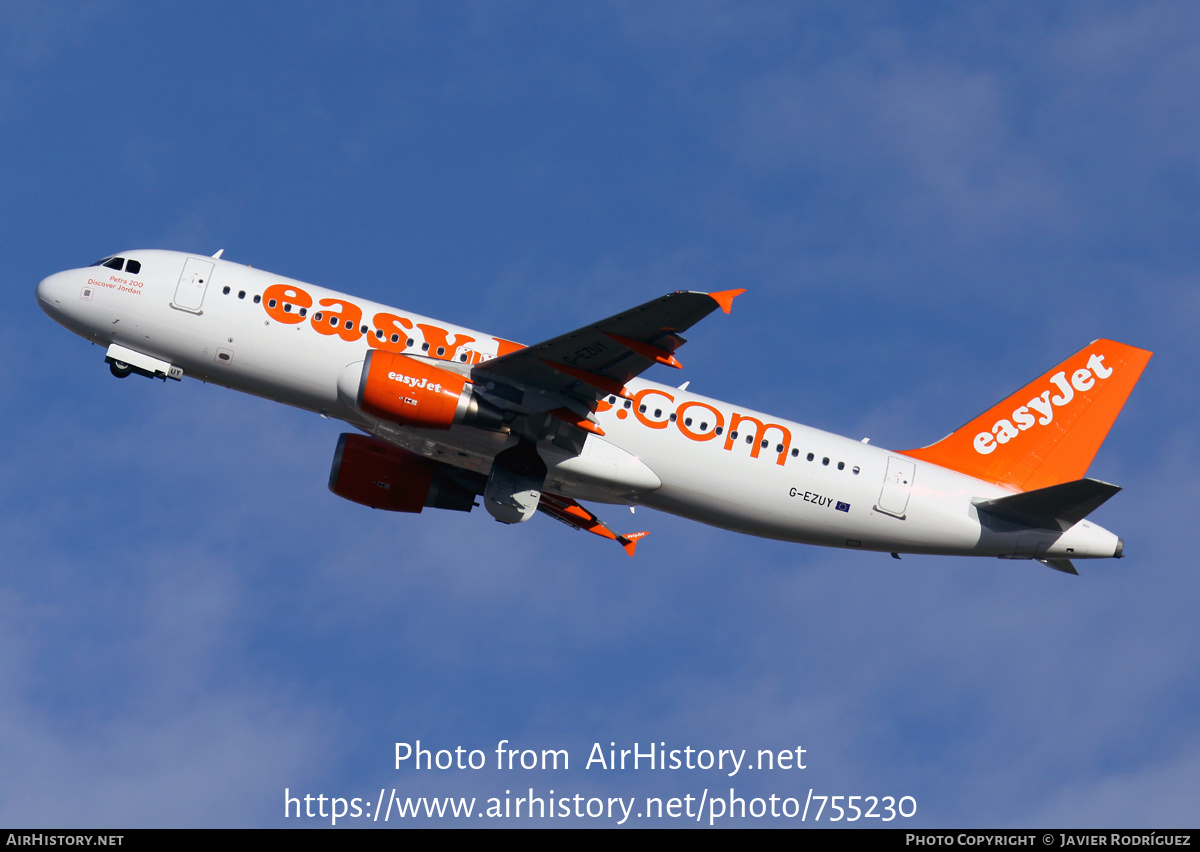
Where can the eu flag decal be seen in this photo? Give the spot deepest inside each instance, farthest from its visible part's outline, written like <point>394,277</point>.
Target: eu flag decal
<point>842,507</point>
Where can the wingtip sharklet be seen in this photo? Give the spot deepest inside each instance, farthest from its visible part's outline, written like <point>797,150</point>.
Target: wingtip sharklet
<point>629,542</point>
<point>725,298</point>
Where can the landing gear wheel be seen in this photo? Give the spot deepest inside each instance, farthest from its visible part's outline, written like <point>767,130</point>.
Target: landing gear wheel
<point>119,369</point>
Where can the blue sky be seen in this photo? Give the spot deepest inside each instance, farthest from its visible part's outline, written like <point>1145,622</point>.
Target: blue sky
<point>927,206</point>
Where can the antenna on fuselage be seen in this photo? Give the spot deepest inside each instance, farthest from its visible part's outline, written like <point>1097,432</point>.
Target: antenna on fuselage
<point>217,256</point>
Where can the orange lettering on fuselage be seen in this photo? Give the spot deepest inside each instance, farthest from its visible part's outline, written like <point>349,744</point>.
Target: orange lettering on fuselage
<point>683,422</point>
<point>390,324</point>
<point>437,339</point>
<point>347,320</point>
<point>736,419</point>
<point>685,428</point>
<point>637,408</point>
<point>283,303</point>
<point>277,295</point>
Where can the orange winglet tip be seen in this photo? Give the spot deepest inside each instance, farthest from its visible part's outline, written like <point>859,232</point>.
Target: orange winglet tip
<point>647,350</point>
<point>568,416</point>
<point>725,298</point>
<point>629,542</point>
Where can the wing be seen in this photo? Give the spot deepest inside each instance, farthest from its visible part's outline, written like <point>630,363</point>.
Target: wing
<point>573,515</point>
<point>557,382</point>
<point>598,360</point>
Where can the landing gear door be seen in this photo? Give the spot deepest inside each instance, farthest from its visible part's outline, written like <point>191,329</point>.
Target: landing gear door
<point>897,485</point>
<point>189,294</point>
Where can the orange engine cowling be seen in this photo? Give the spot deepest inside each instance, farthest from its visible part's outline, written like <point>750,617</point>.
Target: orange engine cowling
<point>375,473</point>
<point>413,392</point>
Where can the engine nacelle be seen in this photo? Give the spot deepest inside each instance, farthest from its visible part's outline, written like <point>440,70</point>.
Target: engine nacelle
<point>413,392</point>
<point>375,473</point>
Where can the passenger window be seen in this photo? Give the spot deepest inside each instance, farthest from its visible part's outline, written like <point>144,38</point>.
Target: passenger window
<point>225,291</point>
<point>825,461</point>
<point>395,338</point>
<point>795,453</point>
<point>241,294</point>
<point>424,347</point>
<point>856,470</point>
<point>441,350</point>
<point>841,465</point>
<point>257,298</point>
<point>811,457</point>
<point>271,303</point>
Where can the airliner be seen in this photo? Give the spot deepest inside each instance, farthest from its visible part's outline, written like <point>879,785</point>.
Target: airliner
<point>446,415</point>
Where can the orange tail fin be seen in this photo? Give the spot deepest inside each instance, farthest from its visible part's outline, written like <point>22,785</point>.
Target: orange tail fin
<point>1049,431</point>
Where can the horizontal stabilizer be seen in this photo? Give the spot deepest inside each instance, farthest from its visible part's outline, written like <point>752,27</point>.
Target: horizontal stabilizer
<point>1056,507</point>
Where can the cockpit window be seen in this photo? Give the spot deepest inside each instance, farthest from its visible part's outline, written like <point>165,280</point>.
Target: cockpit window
<point>133,267</point>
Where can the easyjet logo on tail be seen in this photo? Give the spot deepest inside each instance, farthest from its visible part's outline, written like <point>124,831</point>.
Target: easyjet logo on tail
<point>1049,431</point>
<point>1040,409</point>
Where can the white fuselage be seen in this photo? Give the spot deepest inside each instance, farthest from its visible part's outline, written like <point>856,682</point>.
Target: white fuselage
<point>758,475</point>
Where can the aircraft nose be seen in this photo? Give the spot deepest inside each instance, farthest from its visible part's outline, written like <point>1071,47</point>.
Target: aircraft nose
<point>50,293</point>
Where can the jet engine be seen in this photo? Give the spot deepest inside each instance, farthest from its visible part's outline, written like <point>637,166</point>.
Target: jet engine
<point>414,392</point>
<point>381,475</point>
